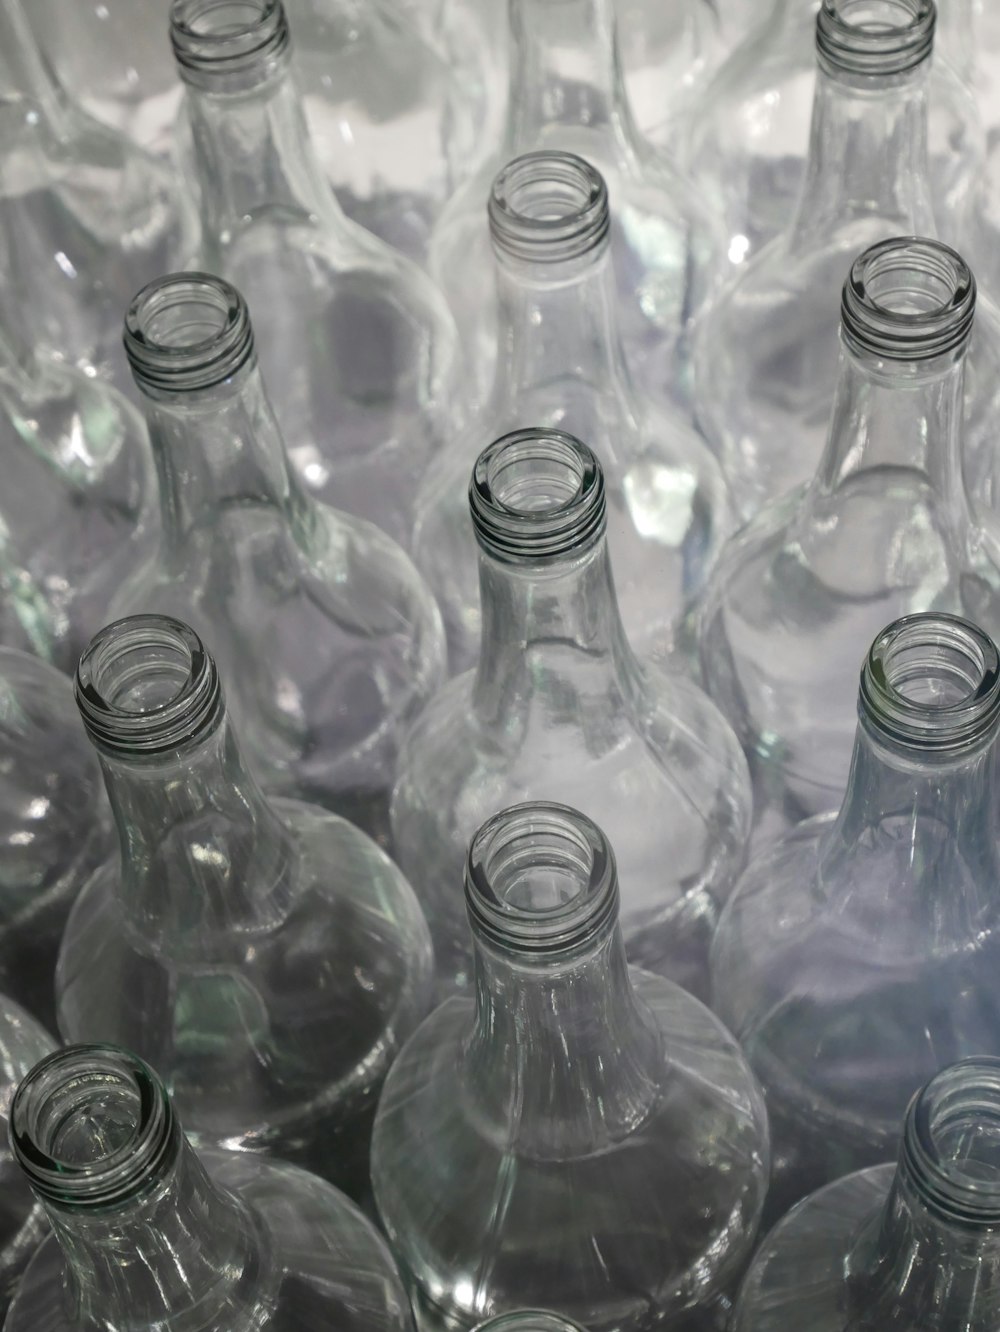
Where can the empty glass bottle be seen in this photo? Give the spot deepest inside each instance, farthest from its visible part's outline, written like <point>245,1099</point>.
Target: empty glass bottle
<point>579,1135</point>
<point>356,341</point>
<point>862,950</point>
<point>267,956</point>
<point>152,1237</point>
<point>55,826</point>
<point>884,527</point>
<point>22,1223</point>
<point>86,216</point>
<point>566,93</point>
<point>329,636</point>
<point>561,704</point>
<point>911,1246</point>
<point>561,364</point>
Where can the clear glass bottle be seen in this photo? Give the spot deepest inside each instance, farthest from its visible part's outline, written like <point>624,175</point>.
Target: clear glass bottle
<point>55,825</point>
<point>151,1236</point>
<point>330,638</point>
<point>908,1246</point>
<point>266,955</point>
<point>580,1135</point>
<point>356,341</point>
<point>566,93</point>
<point>561,364</point>
<point>560,704</point>
<point>22,1222</point>
<point>883,528</point>
<point>86,217</point>
<point>861,951</point>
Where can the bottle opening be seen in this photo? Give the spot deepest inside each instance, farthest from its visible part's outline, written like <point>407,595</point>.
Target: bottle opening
<point>529,1320</point>
<point>932,682</point>
<point>877,38</point>
<point>147,686</point>
<point>540,878</point>
<point>186,332</point>
<point>92,1126</point>
<point>908,299</point>
<point>228,45</point>
<point>536,495</point>
<point>549,208</point>
<point>951,1142</point>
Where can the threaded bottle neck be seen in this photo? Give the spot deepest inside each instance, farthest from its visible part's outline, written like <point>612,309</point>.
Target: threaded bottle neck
<point>874,39</point>
<point>549,214</point>
<point>229,46</point>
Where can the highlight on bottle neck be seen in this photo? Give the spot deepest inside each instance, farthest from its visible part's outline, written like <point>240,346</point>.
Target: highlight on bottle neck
<point>185,333</point>
<point>229,45</point>
<point>549,208</point>
<point>874,38</point>
<point>146,686</point>
<point>908,299</point>
<point>541,882</point>
<point>951,1143</point>
<point>536,496</point>
<point>92,1128</point>
<point>931,684</point>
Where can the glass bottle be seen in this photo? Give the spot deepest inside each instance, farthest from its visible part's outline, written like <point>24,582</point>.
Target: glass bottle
<point>86,216</point>
<point>861,951</point>
<point>22,1222</point>
<point>908,1246</point>
<point>561,364</point>
<point>55,826</point>
<point>356,342</point>
<point>883,528</point>
<point>266,955</point>
<point>566,93</point>
<point>149,1235</point>
<point>560,703</point>
<point>329,636</point>
<point>579,1134</point>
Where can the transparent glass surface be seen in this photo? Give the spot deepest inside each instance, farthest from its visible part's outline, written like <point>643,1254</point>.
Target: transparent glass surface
<point>55,826</point>
<point>861,951</point>
<point>580,1136</point>
<point>22,1223</point>
<point>151,1237</point>
<point>566,93</point>
<point>883,528</point>
<point>355,340</point>
<point>912,1247</point>
<point>562,364</point>
<point>560,704</point>
<point>269,957</point>
<point>329,637</point>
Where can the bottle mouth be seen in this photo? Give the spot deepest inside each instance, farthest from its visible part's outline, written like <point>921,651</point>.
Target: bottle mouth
<point>549,208</point>
<point>951,1142</point>
<point>932,682</point>
<point>92,1126</point>
<point>146,686</point>
<point>529,1320</point>
<point>877,38</point>
<point>540,880</point>
<point>228,45</point>
<point>537,495</point>
<point>187,332</point>
<point>908,299</point>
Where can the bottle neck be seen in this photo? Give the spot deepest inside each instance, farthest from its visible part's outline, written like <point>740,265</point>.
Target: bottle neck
<point>867,158</point>
<point>26,74</point>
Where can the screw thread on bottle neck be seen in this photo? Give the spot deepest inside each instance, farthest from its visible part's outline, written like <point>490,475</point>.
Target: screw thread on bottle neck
<point>874,38</point>
<point>227,46</point>
<point>549,208</point>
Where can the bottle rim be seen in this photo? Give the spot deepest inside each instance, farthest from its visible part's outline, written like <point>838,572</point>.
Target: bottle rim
<point>160,663</point>
<point>931,683</point>
<point>537,495</point>
<point>133,1137</point>
<point>228,45</point>
<point>896,38</point>
<point>945,1121</point>
<point>908,299</point>
<point>529,1320</point>
<point>186,332</point>
<point>540,880</point>
<point>548,207</point>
